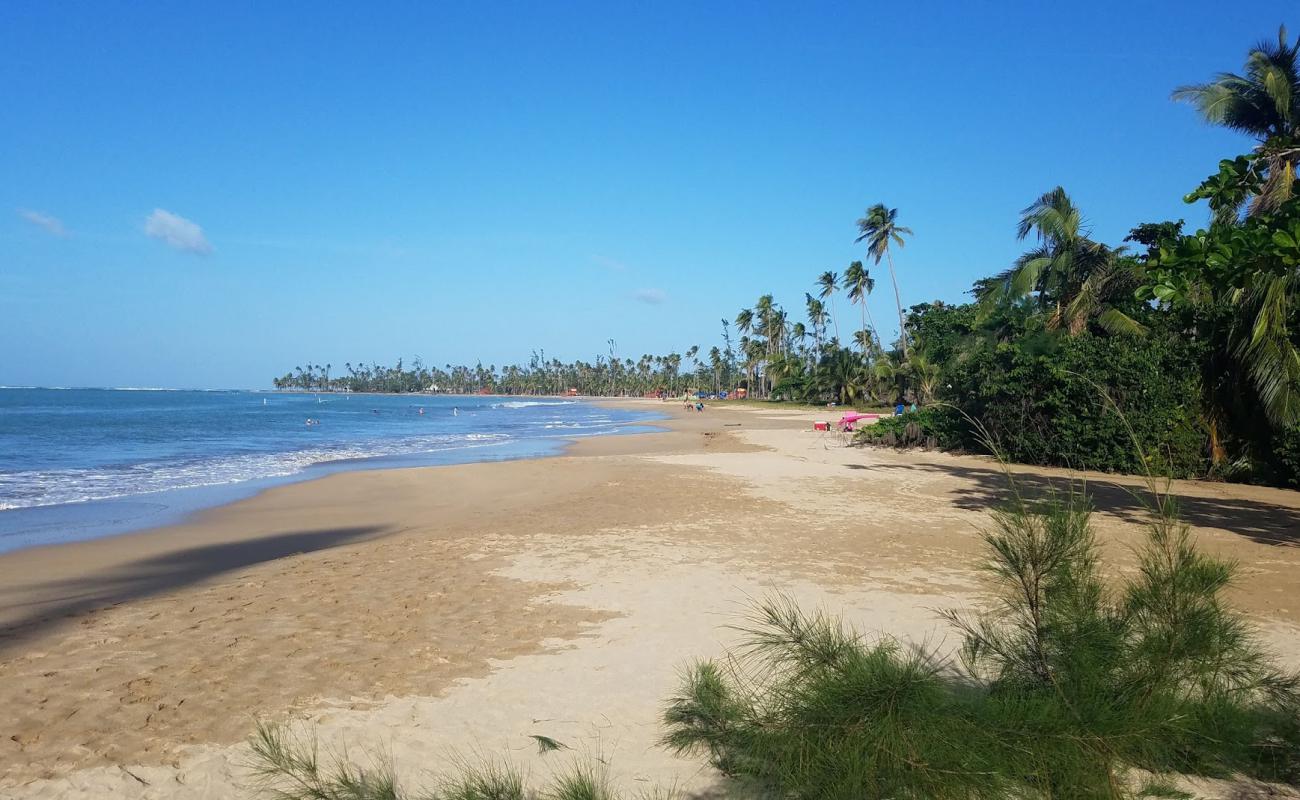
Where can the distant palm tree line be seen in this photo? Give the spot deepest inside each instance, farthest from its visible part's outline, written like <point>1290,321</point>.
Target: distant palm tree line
<point>605,375</point>
<point>1232,287</point>
<point>772,357</point>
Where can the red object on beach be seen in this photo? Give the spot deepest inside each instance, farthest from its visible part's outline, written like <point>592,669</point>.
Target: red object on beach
<point>821,426</point>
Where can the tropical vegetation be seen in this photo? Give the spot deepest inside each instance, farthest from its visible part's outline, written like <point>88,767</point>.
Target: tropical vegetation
<point>1195,336</point>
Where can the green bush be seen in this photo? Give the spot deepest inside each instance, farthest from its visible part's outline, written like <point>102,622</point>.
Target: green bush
<point>1286,457</point>
<point>932,427</point>
<point>1041,401</point>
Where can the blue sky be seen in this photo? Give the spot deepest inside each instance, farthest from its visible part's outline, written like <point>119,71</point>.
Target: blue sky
<point>206,195</point>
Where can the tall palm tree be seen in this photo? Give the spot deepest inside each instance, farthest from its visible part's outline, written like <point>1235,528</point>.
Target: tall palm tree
<point>1070,276</point>
<point>763,311</point>
<point>816,318</point>
<point>778,330</point>
<point>859,284</point>
<point>880,228</point>
<point>829,281</point>
<point>715,363</point>
<point>1264,102</point>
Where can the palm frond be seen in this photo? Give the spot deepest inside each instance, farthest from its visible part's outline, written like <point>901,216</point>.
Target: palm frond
<point>1271,356</point>
<point>1117,323</point>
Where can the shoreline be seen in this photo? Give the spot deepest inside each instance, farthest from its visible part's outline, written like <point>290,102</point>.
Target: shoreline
<point>464,608</point>
<point>21,527</point>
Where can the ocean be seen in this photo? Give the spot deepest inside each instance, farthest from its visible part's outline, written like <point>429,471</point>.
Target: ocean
<point>82,463</point>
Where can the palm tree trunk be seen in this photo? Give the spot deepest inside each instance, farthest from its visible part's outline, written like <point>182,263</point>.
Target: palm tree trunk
<point>898,301</point>
<point>872,322</point>
<point>865,338</point>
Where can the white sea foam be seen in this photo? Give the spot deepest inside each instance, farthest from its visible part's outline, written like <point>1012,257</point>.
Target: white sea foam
<point>30,488</point>
<point>531,403</point>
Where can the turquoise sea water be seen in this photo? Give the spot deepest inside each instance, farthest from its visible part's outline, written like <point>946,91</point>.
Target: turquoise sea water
<point>79,463</point>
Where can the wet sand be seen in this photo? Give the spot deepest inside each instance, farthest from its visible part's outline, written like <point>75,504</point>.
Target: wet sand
<point>457,610</point>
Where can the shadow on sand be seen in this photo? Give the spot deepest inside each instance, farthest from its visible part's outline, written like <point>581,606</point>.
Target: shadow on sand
<point>55,602</point>
<point>986,487</point>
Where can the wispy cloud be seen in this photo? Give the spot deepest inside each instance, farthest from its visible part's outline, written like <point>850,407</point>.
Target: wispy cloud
<point>652,297</point>
<point>177,232</point>
<point>52,224</point>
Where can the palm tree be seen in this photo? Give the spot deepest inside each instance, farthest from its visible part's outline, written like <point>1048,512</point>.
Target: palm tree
<point>879,228</point>
<point>816,318</point>
<point>859,284</point>
<point>1070,275</point>
<point>744,320</point>
<point>829,282</point>
<point>840,374</point>
<point>763,311</point>
<point>1263,103</point>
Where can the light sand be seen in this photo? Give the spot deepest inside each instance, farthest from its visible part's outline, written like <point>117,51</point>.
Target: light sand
<point>457,610</point>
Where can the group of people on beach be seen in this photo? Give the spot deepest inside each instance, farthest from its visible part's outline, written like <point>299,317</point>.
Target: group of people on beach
<point>696,406</point>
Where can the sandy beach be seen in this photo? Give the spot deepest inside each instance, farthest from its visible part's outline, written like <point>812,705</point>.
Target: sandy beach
<point>453,612</point>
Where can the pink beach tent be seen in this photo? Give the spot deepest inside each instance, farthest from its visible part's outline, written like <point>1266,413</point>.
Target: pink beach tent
<point>848,420</point>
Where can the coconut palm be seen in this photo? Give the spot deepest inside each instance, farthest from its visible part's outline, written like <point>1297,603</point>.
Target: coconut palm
<point>816,318</point>
<point>925,376</point>
<point>841,375</point>
<point>880,229</point>
<point>744,320</point>
<point>764,311</point>
<point>829,282</point>
<point>1070,276</point>
<point>859,284</point>
<point>715,364</point>
<point>1264,102</point>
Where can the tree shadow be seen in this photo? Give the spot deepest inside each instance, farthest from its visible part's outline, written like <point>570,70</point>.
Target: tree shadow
<point>56,601</point>
<point>986,487</point>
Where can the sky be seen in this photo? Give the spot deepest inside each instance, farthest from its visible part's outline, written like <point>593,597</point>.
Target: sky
<point>206,195</point>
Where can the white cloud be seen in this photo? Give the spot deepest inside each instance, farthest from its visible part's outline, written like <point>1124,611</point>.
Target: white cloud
<point>51,224</point>
<point>653,297</point>
<point>176,231</point>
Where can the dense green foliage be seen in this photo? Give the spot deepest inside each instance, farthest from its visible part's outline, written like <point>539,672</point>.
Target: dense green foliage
<point>1044,404</point>
<point>1286,457</point>
<point>1196,336</point>
<point>1063,689</point>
